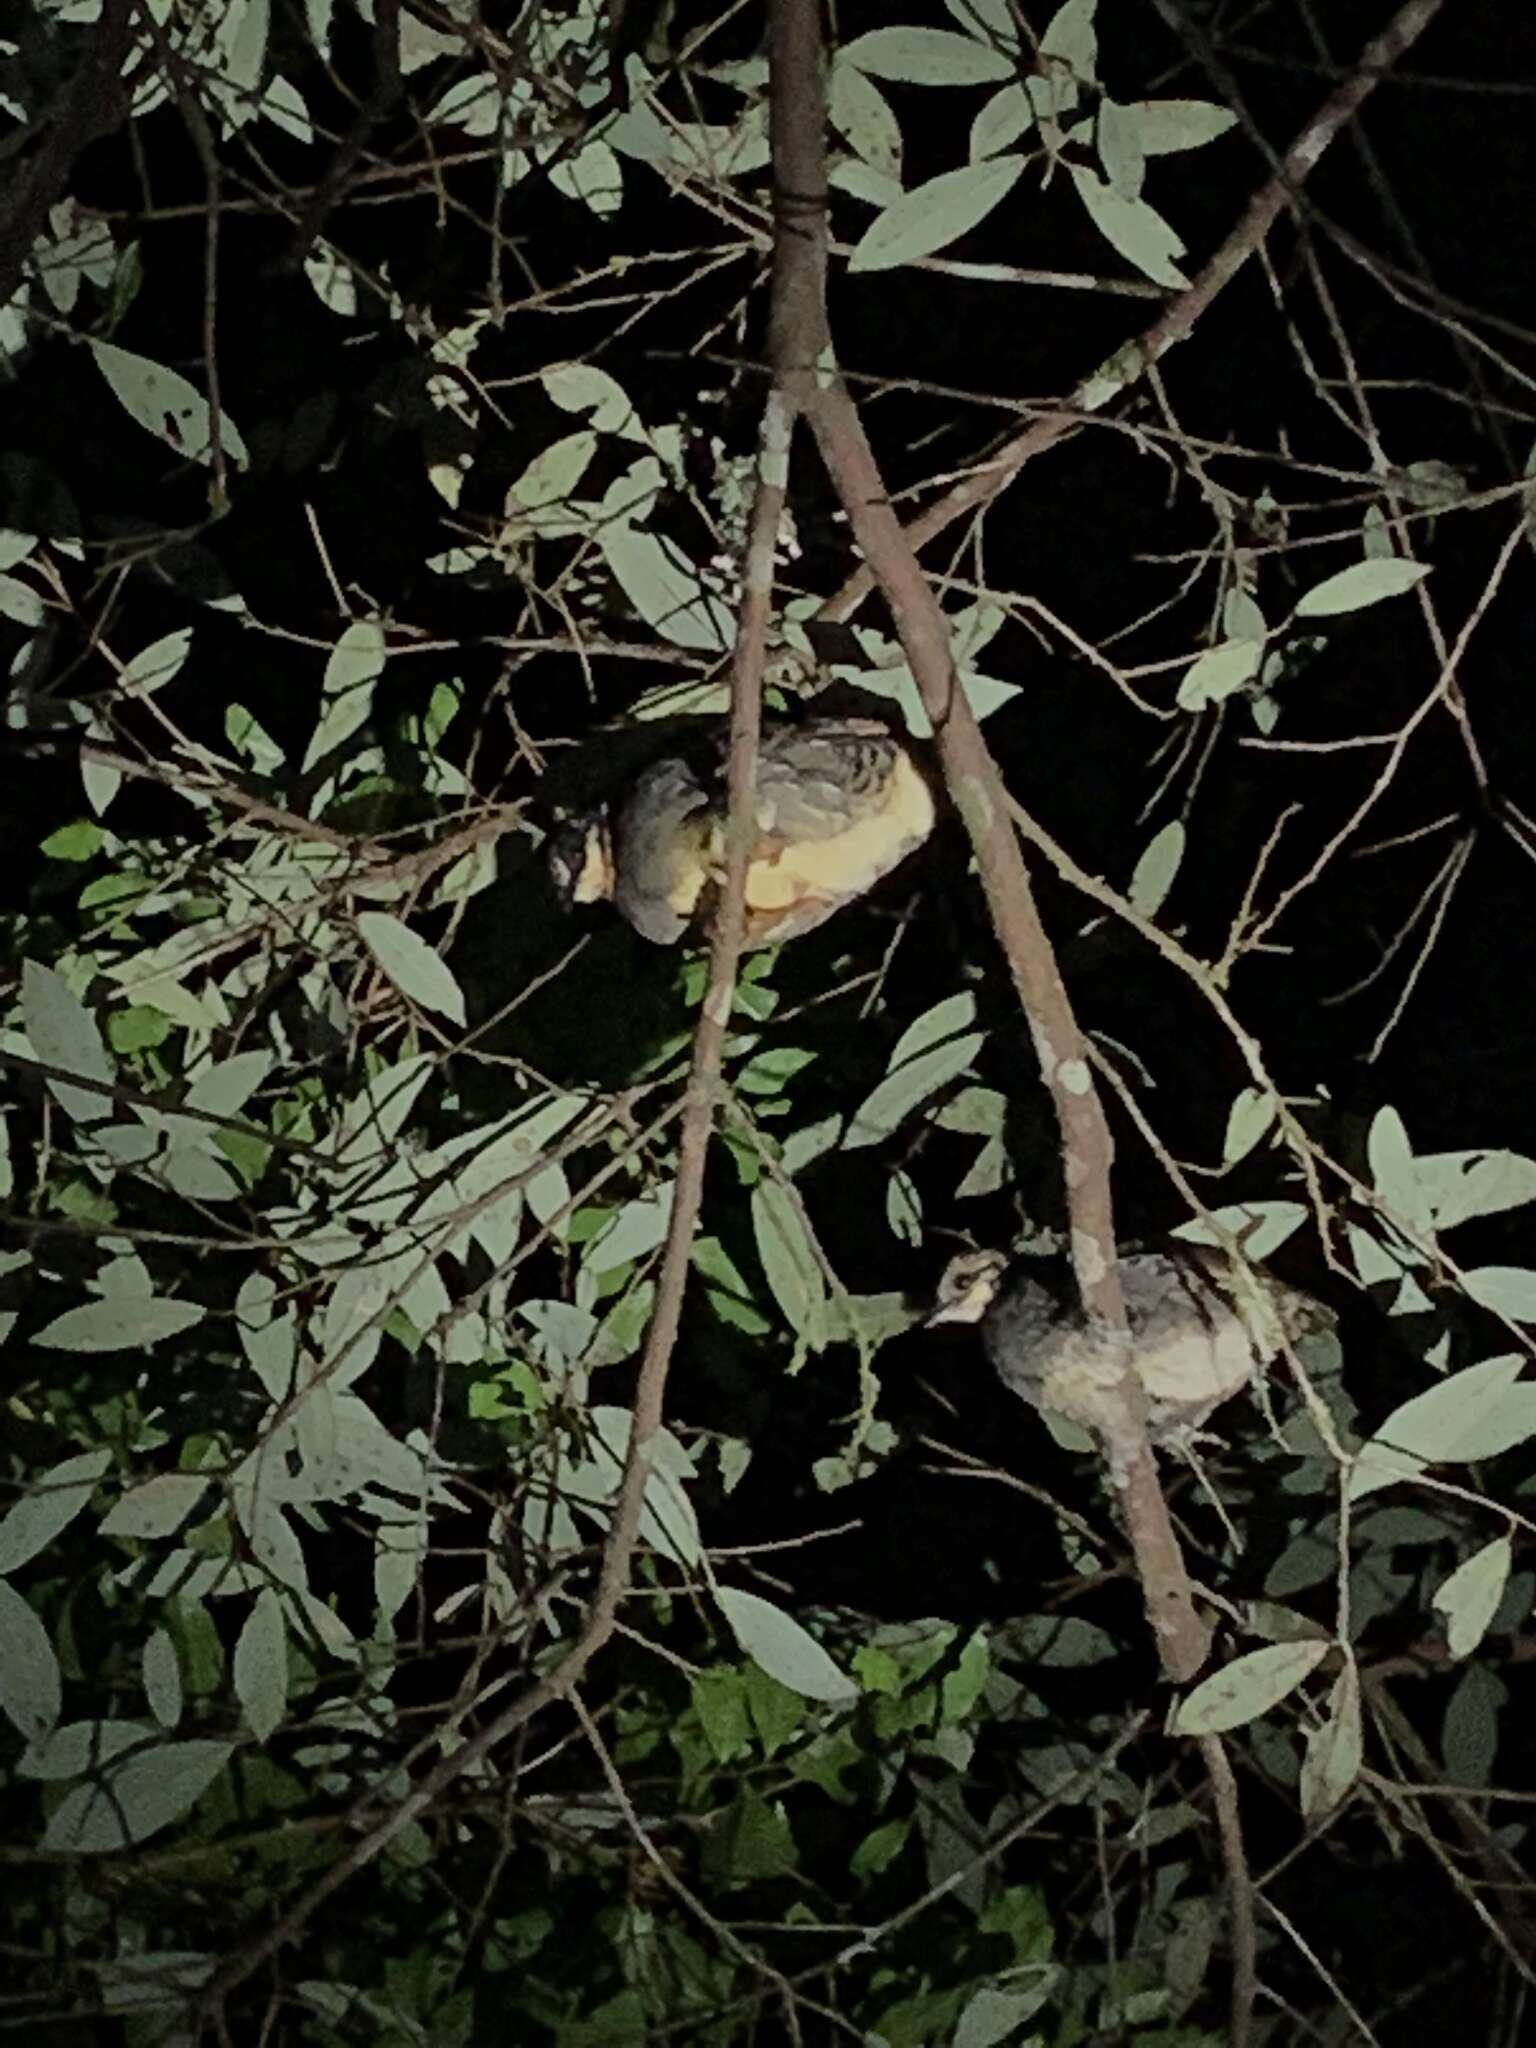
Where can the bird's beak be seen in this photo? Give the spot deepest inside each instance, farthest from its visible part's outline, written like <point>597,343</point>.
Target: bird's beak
<point>969,1307</point>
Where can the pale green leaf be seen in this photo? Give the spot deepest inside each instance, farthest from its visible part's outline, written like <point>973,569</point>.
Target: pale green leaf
<point>261,1665</point>
<point>31,1684</point>
<point>358,657</point>
<point>1132,228</point>
<point>62,1032</point>
<point>637,1229</point>
<point>154,666</point>
<point>946,1020</point>
<point>1476,1413</point>
<point>1470,1597</point>
<point>80,1746</point>
<point>933,215</point>
<point>161,1670</point>
<point>790,1264</point>
<point>665,589</point>
<point>1006,116</point>
<point>120,1323</point>
<point>1393,1170</point>
<point>1247,1687</point>
<point>1259,1227</point>
<point>1219,673</point>
<point>1507,1290</point>
<point>166,405</point>
<point>926,56</point>
<point>156,1508</point>
<point>1461,1185</point>
<point>1157,868</point>
<point>1331,1761</point>
<point>417,971</point>
<point>1168,125</point>
<point>781,1647</point>
<point>862,115</point>
<point>1365,583</point>
<point>46,1509</point>
<point>1252,1113</point>
<point>136,1800</point>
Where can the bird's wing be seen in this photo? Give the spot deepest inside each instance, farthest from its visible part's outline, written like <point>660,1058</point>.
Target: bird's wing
<point>1193,1348</point>
<point>662,850</point>
<point>838,805</point>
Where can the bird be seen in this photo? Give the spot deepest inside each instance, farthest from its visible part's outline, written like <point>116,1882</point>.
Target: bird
<point>839,802</point>
<point>1201,1328</point>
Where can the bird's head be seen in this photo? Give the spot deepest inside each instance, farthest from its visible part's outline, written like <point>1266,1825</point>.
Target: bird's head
<point>968,1287</point>
<point>581,859</point>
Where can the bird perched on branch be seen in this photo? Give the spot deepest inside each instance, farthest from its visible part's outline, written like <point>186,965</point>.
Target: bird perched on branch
<point>838,803</point>
<point>1201,1328</point>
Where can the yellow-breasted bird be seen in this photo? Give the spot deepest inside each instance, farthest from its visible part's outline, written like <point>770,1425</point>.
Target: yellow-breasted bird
<point>839,801</point>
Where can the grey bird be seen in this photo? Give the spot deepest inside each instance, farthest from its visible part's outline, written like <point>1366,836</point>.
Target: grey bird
<point>838,803</point>
<point>1201,1329</point>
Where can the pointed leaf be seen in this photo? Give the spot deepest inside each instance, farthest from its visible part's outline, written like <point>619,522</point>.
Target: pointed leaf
<point>1247,1687</point>
<point>31,1684</point>
<point>1470,1597</point>
<point>411,964</point>
<point>1362,584</point>
<point>782,1648</point>
<point>933,215</point>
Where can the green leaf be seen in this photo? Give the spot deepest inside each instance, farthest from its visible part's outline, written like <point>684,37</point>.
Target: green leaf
<point>1394,1171</point>
<point>926,56</point>
<point>1251,1115</point>
<point>1507,1290</point>
<point>62,1032</point>
<point>1364,583</point>
<point>166,405</point>
<point>47,1508</point>
<point>1168,125</point>
<point>1247,1687</point>
<point>1219,673</point>
<point>161,1668</point>
<point>31,1684</point>
<point>1470,1597</point>
<point>1470,1739</point>
<point>156,1508</point>
<point>933,215</point>
<point>756,1841</point>
<point>1461,1185</point>
<point>357,658</point>
<point>636,1230</point>
<point>1331,1761</point>
<point>720,1701</point>
<point>261,1665</point>
<point>665,589</point>
<point>1476,1413</point>
<point>893,1100</point>
<point>154,666</point>
<point>416,970</point>
<point>861,115</point>
<point>879,1849</point>
<point>790,1264</point>
<point>1260,1227</point>
<point>121,1322</point>
<point>79,1747</point>
<point>1133,229</point>
<point>136,1800</point>
<point>777,1642</point>
<point>1156,869</point>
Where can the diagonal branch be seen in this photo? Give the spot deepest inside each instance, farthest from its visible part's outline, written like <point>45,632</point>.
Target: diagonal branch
<point>806,364</point>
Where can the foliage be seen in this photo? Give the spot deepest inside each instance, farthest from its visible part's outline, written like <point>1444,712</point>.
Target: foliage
<point>337,1167</point>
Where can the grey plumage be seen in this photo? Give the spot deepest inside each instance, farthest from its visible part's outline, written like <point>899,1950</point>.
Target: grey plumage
<point>1200,1330</point>
<point>838,803</point>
